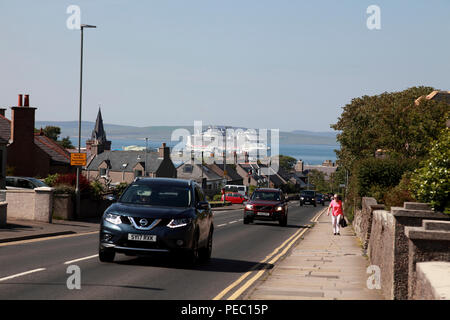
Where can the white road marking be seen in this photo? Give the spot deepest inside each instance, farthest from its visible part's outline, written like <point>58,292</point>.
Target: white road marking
<point>21,274</point>
<point>232,222</point>
<point>221,225</point>
<point>81,259</point>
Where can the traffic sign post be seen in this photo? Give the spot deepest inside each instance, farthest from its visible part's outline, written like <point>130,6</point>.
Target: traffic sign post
<point>78,159</point>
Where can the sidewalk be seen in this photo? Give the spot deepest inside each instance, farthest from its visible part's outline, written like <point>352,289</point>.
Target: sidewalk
<point>17,230</point>
<point>321,267</point>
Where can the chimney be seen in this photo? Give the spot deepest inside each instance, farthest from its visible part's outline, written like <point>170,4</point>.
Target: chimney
<point>245,157</point>
<point>26,102</point>
<point>19,103</point>
<point>164,152</point>
<point>22,123</point>
<point>2,111</point>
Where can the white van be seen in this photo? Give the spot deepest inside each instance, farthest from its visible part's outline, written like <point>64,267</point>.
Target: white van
<point>237,188</point>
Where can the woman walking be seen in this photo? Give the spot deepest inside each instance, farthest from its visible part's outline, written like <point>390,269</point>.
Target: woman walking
<point>336,213</point>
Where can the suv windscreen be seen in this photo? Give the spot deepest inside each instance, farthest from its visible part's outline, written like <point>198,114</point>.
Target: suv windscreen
<point>308,193</point>
<point>157,195</point>
<point>268,196</point>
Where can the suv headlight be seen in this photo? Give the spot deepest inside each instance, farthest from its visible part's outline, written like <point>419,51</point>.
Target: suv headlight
<point>302,198</point>
<point>279,208</point>
<point>177,223</point>
<point>113,218</point>
<point>249,206</point>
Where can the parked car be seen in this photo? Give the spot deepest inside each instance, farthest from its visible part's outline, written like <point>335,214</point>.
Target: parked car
<point>158,215</point>
<point>235,197</point>
<point>308,197</point>
<point>266,204</point>
<point>23,183</point>
<point>236,188</point>
<point>320,199</point>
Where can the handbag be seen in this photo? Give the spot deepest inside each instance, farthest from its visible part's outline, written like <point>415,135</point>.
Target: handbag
<point>342,222</point>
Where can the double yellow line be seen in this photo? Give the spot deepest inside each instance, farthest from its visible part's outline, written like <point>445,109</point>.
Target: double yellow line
<point>270,259</point>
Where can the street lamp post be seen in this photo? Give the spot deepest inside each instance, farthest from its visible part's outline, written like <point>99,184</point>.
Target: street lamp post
<point>77,188</point>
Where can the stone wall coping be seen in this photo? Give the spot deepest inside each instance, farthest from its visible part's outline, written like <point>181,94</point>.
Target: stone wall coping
<point>438,275</point>
<point>416,206</point>
<point>419,233</point>
<point>20,191</point>
<point>401,212</point>
<point>44,189</point>
<point>436,225</point>
<point>3,203</point>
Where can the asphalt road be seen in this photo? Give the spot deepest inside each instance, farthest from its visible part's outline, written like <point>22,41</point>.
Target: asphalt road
<point>38,270</point>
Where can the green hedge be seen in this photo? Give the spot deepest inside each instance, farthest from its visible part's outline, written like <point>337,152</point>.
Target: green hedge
<point>374,175</point>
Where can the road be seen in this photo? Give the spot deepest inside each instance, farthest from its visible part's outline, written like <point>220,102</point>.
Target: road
<point>38,270</point>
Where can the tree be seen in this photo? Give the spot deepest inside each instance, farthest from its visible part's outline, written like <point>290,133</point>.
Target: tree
<point>389,121</point>
<point>66,143</point>
<point>52,132</point>
<point>286,162</point>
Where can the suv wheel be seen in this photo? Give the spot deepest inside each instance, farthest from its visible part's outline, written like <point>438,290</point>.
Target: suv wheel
<point>106,255</point>
<point>205,253</point>
<point>192,255</point>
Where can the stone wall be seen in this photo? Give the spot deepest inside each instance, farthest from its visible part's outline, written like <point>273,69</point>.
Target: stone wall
<point>30,204</point>
<point>362,222</point>
<point>394,246</point>
<point>430,242</point>
<point>432,281</point>
<point>381,249</point>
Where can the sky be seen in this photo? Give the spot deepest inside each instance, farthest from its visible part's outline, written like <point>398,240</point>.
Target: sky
<point>284,64</point>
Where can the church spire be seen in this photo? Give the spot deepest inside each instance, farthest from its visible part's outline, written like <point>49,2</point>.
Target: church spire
<point>99,132</point>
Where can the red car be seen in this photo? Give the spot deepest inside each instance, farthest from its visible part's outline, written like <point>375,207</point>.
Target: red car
<point>267,204</point>
<point>235,197</point>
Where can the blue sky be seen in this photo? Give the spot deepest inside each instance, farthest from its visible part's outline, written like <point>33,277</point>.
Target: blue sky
<point>288,65</point>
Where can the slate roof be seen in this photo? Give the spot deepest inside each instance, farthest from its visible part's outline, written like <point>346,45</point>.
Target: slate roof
<point>231,173</point>
<point>194,171</point>
<point>54,150</point>
<point>117,158</point>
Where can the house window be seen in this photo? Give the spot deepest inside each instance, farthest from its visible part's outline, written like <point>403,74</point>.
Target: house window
<point>137,173</point>
<point>103,171</point>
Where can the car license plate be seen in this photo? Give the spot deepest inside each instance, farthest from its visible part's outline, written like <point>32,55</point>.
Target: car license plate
<point>142,237</point>
<point>263,214</point>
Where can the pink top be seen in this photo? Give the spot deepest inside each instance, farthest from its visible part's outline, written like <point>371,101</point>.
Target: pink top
<point>336,208</point>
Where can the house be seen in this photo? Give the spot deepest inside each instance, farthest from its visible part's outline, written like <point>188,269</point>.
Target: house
<point>198,172</point>
<point>435,95</point>
<point>232,176</point>
<point>327,168</point>
<point>28,153</point>
<point>114,167</point>
<point>250,174</point>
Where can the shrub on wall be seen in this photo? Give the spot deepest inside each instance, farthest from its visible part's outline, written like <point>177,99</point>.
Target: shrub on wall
<point>374,175</point>
<point>431,182</point>
<point>70,179</point>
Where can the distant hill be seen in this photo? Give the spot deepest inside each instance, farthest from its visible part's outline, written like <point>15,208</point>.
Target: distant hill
<point>163,133</point>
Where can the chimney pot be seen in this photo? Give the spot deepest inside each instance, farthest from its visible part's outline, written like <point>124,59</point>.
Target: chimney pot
<point>19,103</point>
<point>26,102</point>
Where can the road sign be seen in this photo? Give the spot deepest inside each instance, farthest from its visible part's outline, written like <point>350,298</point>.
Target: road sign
<point>78,159</point>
